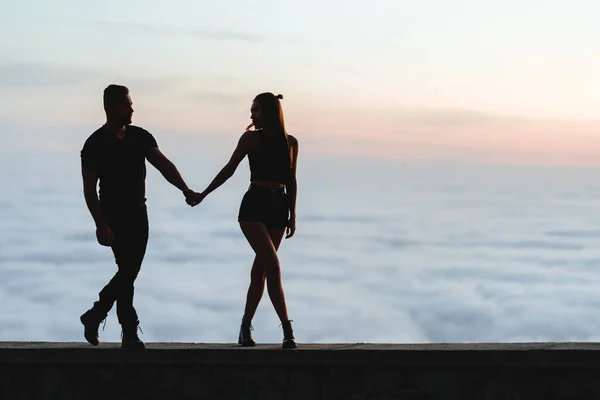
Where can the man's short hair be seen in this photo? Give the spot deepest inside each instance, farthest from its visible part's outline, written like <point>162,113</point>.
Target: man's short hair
<point>113,92</point>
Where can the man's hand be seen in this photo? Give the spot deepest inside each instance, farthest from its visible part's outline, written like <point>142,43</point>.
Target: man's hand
<point>193,198</point>
<point>104,235</point>
<point>291,228</point>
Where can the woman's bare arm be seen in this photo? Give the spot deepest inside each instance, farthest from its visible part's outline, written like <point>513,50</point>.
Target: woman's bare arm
<point>292,186</point>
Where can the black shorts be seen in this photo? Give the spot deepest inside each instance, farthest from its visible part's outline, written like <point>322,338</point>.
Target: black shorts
<point>269,206</point>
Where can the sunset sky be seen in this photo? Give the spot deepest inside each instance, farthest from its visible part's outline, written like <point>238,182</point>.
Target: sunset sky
<point>509,82</point>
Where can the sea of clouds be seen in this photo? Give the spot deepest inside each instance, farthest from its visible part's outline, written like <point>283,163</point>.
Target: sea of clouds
<point>384,252</point>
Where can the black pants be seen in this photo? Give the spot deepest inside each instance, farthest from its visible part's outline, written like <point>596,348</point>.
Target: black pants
<point>130,229</point>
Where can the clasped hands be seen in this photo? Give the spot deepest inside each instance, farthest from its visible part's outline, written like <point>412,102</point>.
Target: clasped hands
<point>193,198</point>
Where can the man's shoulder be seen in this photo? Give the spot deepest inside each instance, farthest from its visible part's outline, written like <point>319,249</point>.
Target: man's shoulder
<point>137,129</point>
<point>141,137</point>
<point>139,133</point>
<point>95,137</point>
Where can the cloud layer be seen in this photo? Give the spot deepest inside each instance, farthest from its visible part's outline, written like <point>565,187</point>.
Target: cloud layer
<point>420,254</point>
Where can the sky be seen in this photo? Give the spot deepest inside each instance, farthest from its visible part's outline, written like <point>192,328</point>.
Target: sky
<point>385,251</point>
<point>501,82</point>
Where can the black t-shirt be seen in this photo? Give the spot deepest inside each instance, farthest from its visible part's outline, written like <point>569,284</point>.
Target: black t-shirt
<point>121,165</point>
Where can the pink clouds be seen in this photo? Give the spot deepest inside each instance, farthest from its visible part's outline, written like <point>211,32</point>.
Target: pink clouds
<point>458,136</point>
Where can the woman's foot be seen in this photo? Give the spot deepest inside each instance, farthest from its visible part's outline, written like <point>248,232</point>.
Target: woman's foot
<point>289,342</point>
<point>245,337</point>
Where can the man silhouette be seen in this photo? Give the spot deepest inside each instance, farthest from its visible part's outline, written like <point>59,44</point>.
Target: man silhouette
<point>115,155</point>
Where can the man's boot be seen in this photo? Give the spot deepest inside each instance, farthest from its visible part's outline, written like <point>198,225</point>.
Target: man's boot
<point>91,320</point>
<point>129,337</point>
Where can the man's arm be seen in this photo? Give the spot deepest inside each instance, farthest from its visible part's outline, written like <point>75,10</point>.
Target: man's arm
<point>167,169</point>
<point>90,180</point>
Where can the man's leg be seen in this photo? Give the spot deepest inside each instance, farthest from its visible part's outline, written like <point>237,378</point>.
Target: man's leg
<point>91,321</point>
<point>131,236</point>
<point>130,261</point>
<point>92,318</point>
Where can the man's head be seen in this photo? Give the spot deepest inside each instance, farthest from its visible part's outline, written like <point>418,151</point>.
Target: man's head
<point>118,105</point>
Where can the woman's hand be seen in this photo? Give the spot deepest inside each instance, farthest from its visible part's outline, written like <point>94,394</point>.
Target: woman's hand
<point>291,228</point>
<point>194,198</point>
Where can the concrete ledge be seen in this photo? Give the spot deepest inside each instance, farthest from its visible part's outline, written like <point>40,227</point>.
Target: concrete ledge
<point>514,355</point>
<point>180,371</point>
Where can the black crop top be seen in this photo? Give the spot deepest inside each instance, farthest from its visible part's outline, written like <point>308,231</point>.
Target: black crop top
<point>270,160</point>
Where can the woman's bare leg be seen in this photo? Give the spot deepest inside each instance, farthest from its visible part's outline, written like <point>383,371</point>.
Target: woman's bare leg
<point>259,238</point>
<point>258,276</point>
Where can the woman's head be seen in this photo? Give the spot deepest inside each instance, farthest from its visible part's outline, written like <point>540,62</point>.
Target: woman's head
<point>266,113</point>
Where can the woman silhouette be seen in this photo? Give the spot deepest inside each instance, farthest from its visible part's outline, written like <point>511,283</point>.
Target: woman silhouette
<point>268,208</point>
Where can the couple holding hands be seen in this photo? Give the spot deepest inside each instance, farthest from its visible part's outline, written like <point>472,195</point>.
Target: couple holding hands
<point>114,158</point>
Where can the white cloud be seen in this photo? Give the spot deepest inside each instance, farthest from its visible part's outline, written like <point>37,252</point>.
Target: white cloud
<point>422,254</point>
